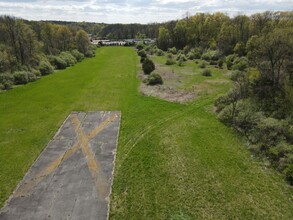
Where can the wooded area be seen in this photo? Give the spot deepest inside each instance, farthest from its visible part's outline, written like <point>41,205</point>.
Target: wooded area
<point>31,49</point>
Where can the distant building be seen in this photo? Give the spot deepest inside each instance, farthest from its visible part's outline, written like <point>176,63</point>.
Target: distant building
<point>122,42</point>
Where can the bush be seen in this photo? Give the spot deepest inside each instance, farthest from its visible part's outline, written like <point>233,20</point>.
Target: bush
<point>160,52</point>
<point>289,173</point>
<point>193,54</point>
<point>220,63</point>
<point>78,55</point>
<point>69,59</point>
<point>172,50</point>
<point>181,57</point>
<point>203,64</point>
<point>268,132</point>
<point>31,76</point>
<point>20,77</point>
<point>148,66</point>
<point>45,68</point>
<point>142,59</point>
<point>211,55</point>
<point>91,52</point>
<point>6,79</point>
<point>240,64</point>
<point>140,46</point>
<point>206,72</point>
<point>213,62</point>
<point>170,61</point>
<point>154,79</point>
<point>142,53</point>
<point>230,60</point>
<point>57,62</point>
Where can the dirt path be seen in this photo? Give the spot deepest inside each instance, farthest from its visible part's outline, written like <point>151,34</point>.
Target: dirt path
<point>72,178</point>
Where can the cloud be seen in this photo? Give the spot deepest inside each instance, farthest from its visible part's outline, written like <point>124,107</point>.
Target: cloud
<point>131,11</point>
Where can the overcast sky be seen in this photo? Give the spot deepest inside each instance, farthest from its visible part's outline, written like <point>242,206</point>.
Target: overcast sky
<point>132,11</point>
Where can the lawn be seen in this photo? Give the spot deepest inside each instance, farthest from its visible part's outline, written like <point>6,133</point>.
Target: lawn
<point>174,161</point>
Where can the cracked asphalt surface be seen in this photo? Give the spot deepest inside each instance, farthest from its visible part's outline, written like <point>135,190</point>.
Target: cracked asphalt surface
<point>72,177</point>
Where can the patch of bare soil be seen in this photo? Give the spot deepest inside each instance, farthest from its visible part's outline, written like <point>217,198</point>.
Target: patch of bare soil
<point>167,93</point>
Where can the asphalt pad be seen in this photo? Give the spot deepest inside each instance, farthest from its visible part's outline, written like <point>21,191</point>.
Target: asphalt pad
<point>72,177</point>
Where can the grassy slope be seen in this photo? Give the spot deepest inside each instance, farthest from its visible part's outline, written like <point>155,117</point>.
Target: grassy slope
<point>174,161</point>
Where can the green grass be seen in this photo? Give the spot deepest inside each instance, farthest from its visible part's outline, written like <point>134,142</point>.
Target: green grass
<point>173,161</point>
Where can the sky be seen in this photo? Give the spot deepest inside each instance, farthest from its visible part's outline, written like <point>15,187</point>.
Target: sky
<point>132,11</point>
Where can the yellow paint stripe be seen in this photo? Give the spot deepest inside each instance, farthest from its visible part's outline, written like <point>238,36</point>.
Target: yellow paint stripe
<point>93,164</point>
<point>99,128</point>
<point>21,191</point>
<point>83,141</point>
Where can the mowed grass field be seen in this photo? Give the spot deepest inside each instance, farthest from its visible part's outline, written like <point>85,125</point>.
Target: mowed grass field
<point>173,161</point>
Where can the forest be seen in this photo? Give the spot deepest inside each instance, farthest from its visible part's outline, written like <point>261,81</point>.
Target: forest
<point>30,49</point>
<point>256,49</point>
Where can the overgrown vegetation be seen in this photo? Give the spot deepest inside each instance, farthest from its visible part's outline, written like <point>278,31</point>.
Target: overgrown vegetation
<point>260,105</point>
<point>257,49</point>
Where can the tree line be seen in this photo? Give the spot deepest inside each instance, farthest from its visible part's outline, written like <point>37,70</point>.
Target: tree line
<point>258,51</point>
<point>30,49</point>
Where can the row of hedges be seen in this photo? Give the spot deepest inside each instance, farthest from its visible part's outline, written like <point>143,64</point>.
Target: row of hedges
<point>46,65</point>
<point>148,65</point>
<point>7,80</point>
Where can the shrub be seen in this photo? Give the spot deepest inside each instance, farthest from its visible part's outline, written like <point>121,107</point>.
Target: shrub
<point>220,63</point>
<point>154,79</point>
<point>142,59</point>
<point>289,173</point>
<point>170,61</point>
<point>206,72</point>
<point>31,77</point>
<point>142,53</point>
<point>170,56</point>
<point>91,52</point>
<point>69,59</point>
<point>193,54</point>
<point>78,55</point>
<point>172,50</point>
<point>181,57</point>
<point>140,46</point>
<point>203,64</point>
<point>6,79</point>
<point>230,60</point>
<point>213,62</point>
<point>20,77</point>
<point>269,132</point>
<point>240,64</point>
<point>181,61</point>
<point>211,55</point>
<point>36,72</point>
<point>160,52</point>
<point>57,62</point>
<point>148,66</point>
<point>45,68</point>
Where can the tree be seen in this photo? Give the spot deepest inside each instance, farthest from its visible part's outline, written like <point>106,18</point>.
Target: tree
<point>47,36</point>
<point>148,66</point>
<point>63,38</point>
<point>82,41</point>
<point>164,38</point>
<point>269,53</point>
<point>180,34</point>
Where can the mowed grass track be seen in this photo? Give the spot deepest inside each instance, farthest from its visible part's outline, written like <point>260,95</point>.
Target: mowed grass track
<point>173,161</point>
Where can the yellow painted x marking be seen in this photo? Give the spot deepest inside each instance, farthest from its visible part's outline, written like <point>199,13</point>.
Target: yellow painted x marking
<point>83,143</point>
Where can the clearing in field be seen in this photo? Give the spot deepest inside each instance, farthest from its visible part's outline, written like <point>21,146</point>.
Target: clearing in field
<point>72,178</point>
